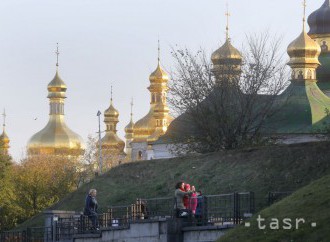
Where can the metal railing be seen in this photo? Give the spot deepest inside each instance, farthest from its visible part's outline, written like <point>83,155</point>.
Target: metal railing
<point>35,234</point>
<point>154,208</point>
<point>221,209</point>
<point>231,208</point>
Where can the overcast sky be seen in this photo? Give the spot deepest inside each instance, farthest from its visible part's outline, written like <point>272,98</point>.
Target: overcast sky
<point>113,42</point>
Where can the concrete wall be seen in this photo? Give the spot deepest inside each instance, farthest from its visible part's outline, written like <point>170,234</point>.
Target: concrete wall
<point>136,232</point>
<point>204,234</point>
<point>156,231</point>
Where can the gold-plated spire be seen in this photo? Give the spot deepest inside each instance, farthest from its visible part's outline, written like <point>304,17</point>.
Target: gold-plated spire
<point>111,94</point>
<point>4,118</point>
<point>57,55</point>
<point>129,134</point>
<point>158,51</point>
<point>132,109</point>
<point>129,128</point>
<point>227,24</point>
<point>304,15</point>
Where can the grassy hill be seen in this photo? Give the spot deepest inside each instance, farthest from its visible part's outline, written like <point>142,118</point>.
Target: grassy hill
<point>273,168</point>
<point>311,203</point>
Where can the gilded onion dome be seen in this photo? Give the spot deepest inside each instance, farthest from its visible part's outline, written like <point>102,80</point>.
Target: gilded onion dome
<point>129,127</point>
<point>303,50</point>
<point>227,52</point>
<point>111,141</point>
<point>56,137</point>
<point>159,75</point>
<point>304,53</point>
<point>227,60</point>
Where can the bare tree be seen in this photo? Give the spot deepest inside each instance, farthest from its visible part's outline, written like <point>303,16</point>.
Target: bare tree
<point>226,106</point>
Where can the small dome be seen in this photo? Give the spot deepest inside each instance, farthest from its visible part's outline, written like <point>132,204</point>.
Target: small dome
<point>226,52</point>
<point>159,75</point>
<point>129,127</point>
<point>319,20</point>
<point>4,137</point>
<point>57,84</point>
<point>303,50</point>
<point>111,111</point>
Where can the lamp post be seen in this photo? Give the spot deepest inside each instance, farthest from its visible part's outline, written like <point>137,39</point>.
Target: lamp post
<point>100,142</point>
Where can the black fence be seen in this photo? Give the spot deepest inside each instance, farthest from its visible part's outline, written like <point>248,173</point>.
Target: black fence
<point>231,208</point>
<point>36,234</point>
<point>220,209</point>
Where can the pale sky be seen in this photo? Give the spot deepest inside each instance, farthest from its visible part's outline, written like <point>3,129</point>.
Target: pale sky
<point>113,42</point>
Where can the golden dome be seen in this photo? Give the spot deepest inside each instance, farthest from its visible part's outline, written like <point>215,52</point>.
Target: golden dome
<point>159,75</point>
<point>147,123</point>
<point>129,127</point>
<point>111,111</point>
<point>226,52</point>
<point>56,87</point>
<point>303,50</point>
<point>55,136</point>
<point>4,137</point>
<point>5,142</point>
<point>111,139</point>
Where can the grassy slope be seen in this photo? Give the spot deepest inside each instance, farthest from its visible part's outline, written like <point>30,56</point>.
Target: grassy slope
<point>278,168</point>
<point>311,203</point>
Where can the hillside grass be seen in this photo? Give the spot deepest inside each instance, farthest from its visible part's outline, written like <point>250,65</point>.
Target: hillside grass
<point>311,203</point>
<point>264,169</point>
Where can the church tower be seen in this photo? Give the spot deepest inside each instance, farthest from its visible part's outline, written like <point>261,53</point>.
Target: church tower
<point>227,60</point>
<point>4,139</point>
<point>112,145</point>
<point>155,123</point>
<point>56,138</point>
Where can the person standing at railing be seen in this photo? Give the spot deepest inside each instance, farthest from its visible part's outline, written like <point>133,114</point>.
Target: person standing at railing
<point>179,194</point>
<point>199,208</point>
<point>91,208</point>
<point>192,201</point>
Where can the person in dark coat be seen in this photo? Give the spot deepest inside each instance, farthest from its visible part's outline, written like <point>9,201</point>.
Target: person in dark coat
<point>199,209</point>
<point>91,208</point>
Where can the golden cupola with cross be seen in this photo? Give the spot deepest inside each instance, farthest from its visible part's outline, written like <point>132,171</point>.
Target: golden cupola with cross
<point>56,138</point>
<point>304,53</point>
<point>155,123</point>
<point>4,139</point>
<point>227,60</point>
<point>111,143</point>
